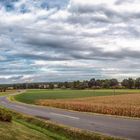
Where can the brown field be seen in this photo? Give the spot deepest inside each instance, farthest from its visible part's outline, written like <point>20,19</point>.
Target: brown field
<point>122,105</point>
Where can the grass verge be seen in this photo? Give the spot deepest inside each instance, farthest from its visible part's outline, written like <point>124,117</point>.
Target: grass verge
<point>55,131</point>
<point>17,131</point>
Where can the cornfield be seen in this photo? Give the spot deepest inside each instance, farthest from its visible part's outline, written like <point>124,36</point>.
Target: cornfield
<point>122,105</point>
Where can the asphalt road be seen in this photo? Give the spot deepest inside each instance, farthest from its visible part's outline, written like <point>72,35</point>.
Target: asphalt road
<point>120,127</point>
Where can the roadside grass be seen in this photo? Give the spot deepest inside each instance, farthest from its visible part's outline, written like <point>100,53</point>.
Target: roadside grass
<point>25,127</point>
<point>32,95</point>
<point>122,105</point>
<point>16,131</point>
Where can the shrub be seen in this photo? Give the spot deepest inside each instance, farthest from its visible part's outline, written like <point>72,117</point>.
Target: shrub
<point>5,115</point>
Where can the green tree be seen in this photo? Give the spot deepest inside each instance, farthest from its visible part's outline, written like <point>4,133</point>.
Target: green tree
<point>113,82</point>
<point>106,83</point>
<point>98,83</point>
<point>51,86</point>
<point>92,83</point>
<point>137,83</point>
<point>76,84</point>
<point>128,83</point>
<point>125,83</point>
<point>131,83</point>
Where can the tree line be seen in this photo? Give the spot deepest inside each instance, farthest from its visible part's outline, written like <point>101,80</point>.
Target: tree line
<point>93,83</point>
<point>3,89</point>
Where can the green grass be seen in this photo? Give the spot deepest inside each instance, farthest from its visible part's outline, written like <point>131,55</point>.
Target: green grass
<point>32,95</point>
<point>16,131</point>
<point>51,135</point>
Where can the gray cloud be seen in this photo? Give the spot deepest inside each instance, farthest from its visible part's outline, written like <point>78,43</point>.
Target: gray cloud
<point>50,44</point>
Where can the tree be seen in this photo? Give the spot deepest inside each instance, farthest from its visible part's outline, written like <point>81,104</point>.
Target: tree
<point>128,83</point>
<point>114,82</point>
<point>76,84</point>
<point>125,83</point>
<point>98,83</point>
<point>91,83</point>
<point>66,84</point>
<point>131,83</point>
<point>51,86</point>
<point>2,89</point>
<point>60,85</point>
<point>137,83</point>
<point>106,83</point>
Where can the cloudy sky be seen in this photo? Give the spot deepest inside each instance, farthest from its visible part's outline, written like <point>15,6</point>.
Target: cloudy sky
<point>60,40</point>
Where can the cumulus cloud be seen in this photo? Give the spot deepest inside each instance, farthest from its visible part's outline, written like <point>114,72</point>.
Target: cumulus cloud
<point>47,40</point>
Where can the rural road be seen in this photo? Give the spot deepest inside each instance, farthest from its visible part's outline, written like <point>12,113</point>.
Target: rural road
<point>120,127</point>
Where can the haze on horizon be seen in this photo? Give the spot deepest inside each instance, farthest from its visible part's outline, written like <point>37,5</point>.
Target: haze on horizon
<point>60,40</point>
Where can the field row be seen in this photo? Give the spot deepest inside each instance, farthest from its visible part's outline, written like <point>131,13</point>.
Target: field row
<point>122,105</point>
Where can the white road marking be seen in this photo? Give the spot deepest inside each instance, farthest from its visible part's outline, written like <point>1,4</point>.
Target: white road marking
<point>61,115</point>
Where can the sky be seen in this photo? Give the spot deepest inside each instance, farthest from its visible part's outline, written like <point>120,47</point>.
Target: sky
<point>66,40</point>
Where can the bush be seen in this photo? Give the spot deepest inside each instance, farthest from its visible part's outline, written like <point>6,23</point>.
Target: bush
<point>5,115</point>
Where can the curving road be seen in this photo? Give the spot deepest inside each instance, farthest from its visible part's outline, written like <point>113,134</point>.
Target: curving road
<point>120,127</point>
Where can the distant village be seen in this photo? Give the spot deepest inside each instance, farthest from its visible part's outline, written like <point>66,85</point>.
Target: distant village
<point>91,84</point>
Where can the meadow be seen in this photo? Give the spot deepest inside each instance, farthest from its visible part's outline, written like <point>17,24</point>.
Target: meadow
<point>32,95</point>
